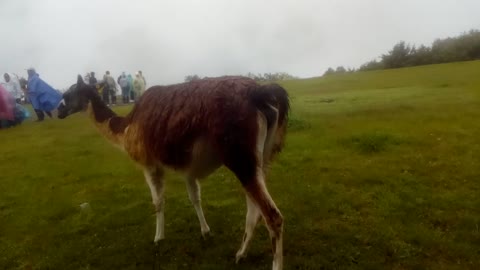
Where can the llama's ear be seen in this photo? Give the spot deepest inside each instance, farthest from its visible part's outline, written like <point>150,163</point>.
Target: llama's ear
<point>79,80</point>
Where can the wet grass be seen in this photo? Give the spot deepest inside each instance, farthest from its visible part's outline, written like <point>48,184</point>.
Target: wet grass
<point>380,171</point>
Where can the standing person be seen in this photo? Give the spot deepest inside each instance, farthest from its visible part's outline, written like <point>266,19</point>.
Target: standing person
<point>139,85</point>
<point>110,88</point>
<point>92,80</point>
<point>13,86</point>
<point>123,82</point>
<point>42,96</point>
<point>7,104</point>
<point>130,87</point>
<point>23,86</point>
<point>11,112</point>
<point>143,78</point>
<point>87,77</point>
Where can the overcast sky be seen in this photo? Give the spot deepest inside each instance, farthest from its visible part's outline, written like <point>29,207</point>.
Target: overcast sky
<point>168,40</point>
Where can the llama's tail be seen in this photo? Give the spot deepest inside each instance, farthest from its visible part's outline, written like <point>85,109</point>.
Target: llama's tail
<point>273,101</point>
<point>272,95</point>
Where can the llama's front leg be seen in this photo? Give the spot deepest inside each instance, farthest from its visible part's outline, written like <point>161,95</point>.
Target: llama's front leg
<point>154,178</point>
<point>193,188</point>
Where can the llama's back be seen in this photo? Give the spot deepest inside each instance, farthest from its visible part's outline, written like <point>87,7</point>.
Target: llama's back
<point>168,120</point>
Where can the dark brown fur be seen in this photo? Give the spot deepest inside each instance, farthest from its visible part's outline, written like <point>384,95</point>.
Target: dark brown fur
<point>101,112</point>
<point>223,111</point>
<point>196,127</point>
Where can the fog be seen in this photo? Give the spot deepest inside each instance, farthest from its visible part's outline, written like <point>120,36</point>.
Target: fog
<point>168,40</point>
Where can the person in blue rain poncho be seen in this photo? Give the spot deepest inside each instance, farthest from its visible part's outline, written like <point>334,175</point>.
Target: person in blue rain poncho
<point>42,96</point>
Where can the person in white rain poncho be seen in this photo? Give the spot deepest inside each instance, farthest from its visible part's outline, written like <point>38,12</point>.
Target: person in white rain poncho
<point>12,85</point>
<point>138,86</point>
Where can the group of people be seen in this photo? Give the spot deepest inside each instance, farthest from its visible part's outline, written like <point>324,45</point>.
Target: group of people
<point>131,88</point>
<point>11,111</point>
<point>44,98</point>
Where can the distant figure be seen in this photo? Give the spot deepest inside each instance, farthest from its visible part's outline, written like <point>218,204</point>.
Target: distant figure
<point>12,85</point>
<point>130,87</point>
<point>110,88</point>
<point>11,112</point>
<point>139,85</point>
<point>123,82</point>
<point>42,96</point>
<point>7,104</point>
<point>87,77</point>
<point>23,86</point>
<point>143,78</point>
<point>92,80</point>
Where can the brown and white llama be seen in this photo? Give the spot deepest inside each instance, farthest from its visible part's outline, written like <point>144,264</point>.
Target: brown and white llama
<point>195,128</point>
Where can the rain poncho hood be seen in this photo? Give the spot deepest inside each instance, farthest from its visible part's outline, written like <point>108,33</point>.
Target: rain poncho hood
<point>42,95</point>
<point>13,86</point>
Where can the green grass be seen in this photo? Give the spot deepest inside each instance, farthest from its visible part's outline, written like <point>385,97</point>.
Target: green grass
<point>380,171</point>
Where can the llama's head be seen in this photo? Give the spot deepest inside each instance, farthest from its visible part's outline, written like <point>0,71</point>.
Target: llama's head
<point>76,98</point>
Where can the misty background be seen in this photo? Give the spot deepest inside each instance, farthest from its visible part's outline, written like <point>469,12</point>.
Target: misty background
<point>169,40</point>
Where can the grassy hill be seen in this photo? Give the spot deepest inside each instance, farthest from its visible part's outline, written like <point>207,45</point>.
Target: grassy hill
<point>380,171</point>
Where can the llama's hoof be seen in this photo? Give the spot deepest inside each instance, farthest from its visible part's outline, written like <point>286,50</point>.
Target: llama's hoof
<point>157,240</point>
<point>207,235</point>
<point>207,238</point>
<point>239,257</point>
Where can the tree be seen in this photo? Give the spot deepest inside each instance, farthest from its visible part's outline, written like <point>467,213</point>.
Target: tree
<point>251,75</point>
<point>422,56</point>
<point>372,65</point>
<point>329,71</point>
<point>398,57</point>
<point>464,47</point>
<point>190,78</point>
<point>340,70</point>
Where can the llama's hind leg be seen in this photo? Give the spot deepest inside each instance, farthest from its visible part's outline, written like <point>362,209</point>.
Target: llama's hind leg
<point>193,188</point>
<point>253,180</point>
<point>243,154</point>
<point>155,181</point>
<point>252,218</point>
<point>258,193</point>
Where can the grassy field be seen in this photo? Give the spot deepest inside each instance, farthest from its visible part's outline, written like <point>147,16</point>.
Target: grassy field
<point>380,171</point>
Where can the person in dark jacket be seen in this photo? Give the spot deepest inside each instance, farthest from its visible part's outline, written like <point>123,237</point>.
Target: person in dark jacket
<point>110,88</point>
<point>92,80</point>
<point>123,82</point>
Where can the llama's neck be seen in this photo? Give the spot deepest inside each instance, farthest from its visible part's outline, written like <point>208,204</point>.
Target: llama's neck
<point>107,122</point>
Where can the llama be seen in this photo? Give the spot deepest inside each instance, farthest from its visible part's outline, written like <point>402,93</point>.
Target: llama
<point>195,128</point>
